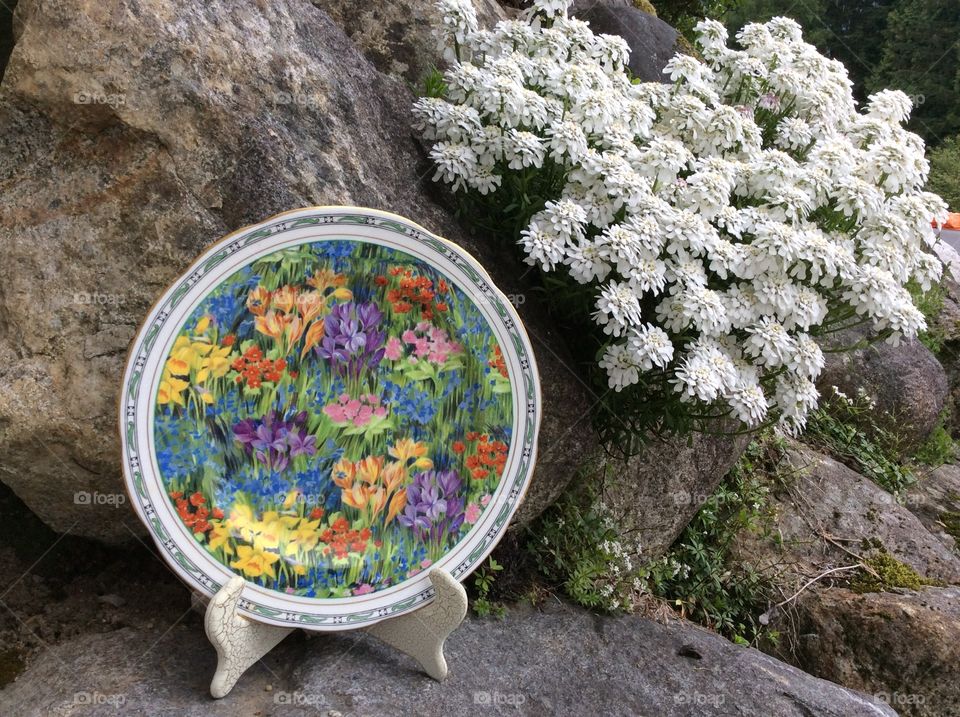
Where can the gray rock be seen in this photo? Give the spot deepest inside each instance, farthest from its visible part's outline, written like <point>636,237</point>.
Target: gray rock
<point>903,648</point>
<point>652,41</point>
<point>6,32</point>
<point>559,661</point>
<point>935,500</point>
<point>398,36</point>
<point>653,496</point>
<point>907,383</point>
<point>824,499</point>
<point>131,137</point>
<point>946,328</point>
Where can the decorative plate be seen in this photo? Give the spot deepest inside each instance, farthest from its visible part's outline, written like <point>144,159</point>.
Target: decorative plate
<point>329,404</point>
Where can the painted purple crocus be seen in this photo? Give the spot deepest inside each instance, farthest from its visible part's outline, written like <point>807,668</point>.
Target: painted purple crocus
<point>274,441</point>
<point>434,509</point>
<point>301,444</point>
<point>353,339</point>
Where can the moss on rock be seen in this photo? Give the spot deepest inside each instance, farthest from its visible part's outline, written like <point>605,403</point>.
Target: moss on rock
<point>885,573</point>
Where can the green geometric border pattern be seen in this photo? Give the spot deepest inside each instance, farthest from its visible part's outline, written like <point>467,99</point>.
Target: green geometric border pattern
<point>481,283</point>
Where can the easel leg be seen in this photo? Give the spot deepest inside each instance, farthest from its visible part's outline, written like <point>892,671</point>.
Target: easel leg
<point>421,634</point>
<point>239,642</point>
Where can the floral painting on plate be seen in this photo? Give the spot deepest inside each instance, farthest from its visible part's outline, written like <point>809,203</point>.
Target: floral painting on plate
<point>332,418</point>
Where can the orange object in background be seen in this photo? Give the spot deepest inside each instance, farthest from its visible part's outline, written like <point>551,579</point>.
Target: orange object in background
<point>953,222</point>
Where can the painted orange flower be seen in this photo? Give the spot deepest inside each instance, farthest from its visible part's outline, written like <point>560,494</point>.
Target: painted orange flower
<point>258,301</point>
<point>284,299</point>
<point>310,304</point>
<point>272,324</point>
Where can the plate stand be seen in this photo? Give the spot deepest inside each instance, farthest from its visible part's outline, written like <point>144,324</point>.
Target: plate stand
<point>241,642</point>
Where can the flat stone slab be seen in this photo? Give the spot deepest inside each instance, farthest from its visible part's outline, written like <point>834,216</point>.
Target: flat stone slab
<point>556,660</point>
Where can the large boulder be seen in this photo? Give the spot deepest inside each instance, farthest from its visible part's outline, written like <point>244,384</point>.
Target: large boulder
<point>903,648</point>
<point>652,41</point>
<point>945,329</point>
<point>398,36</point>
<point>906,382</point>
<point>561,660</point>
<point>132,135</point>
<point>935,500</point>
<point>823,507</point>
<point>6,33</point>
<point>653,496</point>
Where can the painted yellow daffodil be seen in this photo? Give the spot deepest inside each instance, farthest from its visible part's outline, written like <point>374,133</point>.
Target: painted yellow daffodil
<point>272,530</point>
<point>219,537</point>
<point>304,538</point>
<point>255,562</point>
<point>171,391</point>
<point>215,364</point>
<point>242,520</point>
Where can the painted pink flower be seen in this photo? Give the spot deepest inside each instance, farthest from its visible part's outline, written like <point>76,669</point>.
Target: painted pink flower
<point>364,414</point>
<point>430,342</point>
<point>352,409</point>
<point>364,589</point>
<point>335,411</point>
<point>426,563</point>
<point>485,500</point>
<point>358,411</point>
<point>472,514</point>
<point>394,349</point>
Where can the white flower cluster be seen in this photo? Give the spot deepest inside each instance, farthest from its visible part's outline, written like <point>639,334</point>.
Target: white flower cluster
<point>723,218</point>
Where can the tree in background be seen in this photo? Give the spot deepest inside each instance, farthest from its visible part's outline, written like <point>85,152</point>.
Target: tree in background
<point>921,56</point>
<point>853,30</point>
<point>845,30</point>
<point>945,172</point>
<point>910,45</point>
<point>809,14</point>
<point>684,14</point>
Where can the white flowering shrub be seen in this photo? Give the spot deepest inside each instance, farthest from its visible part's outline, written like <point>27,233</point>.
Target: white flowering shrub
<point>711,227</point>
